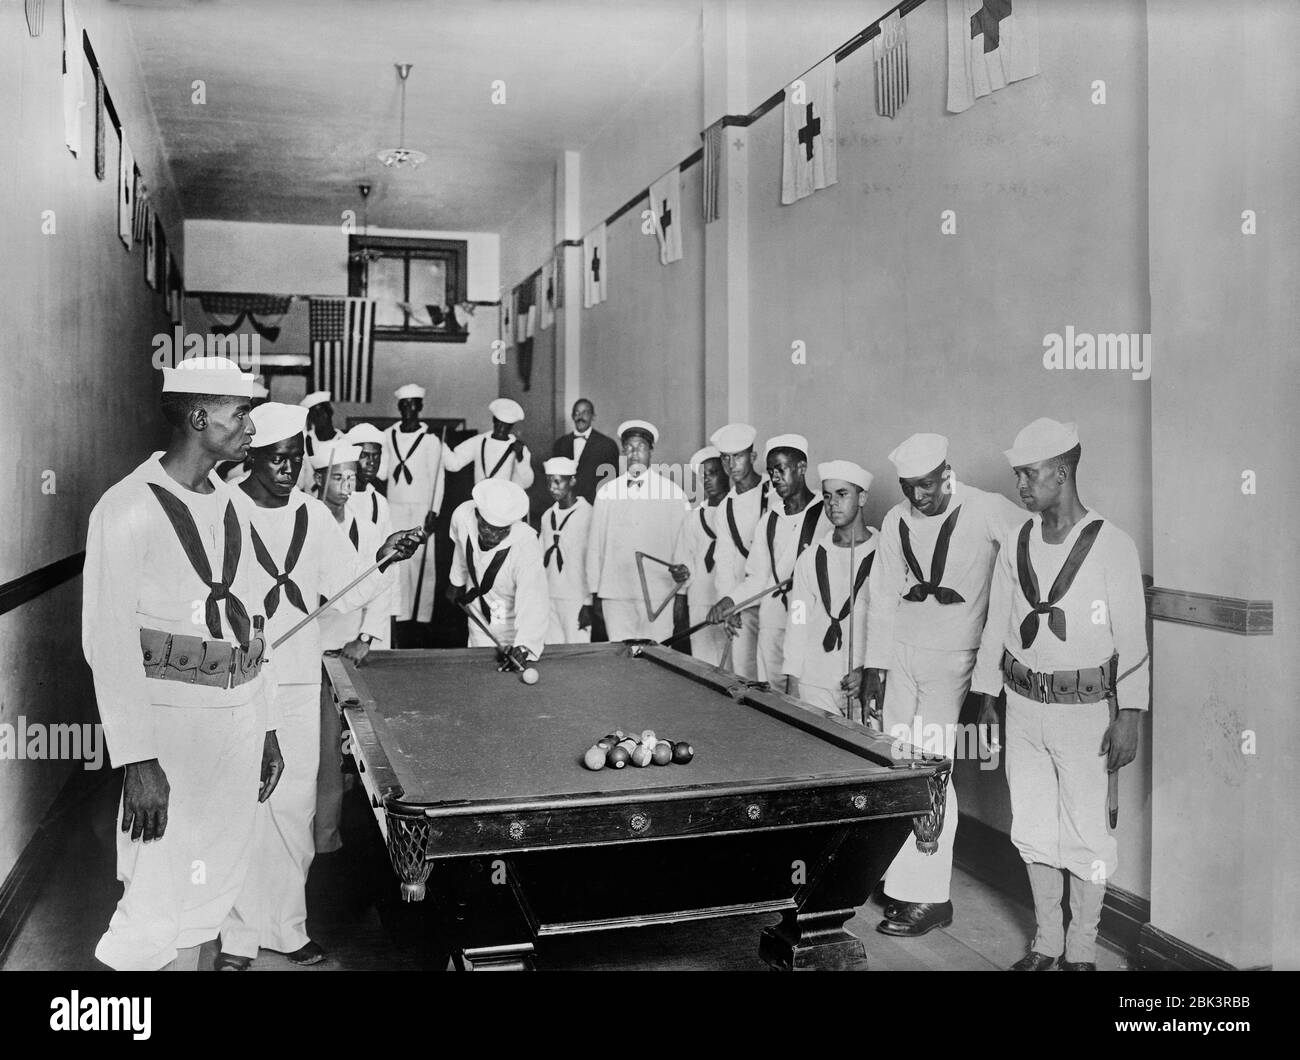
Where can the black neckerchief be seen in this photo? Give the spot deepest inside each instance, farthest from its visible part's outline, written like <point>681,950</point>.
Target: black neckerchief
<point>1029,582</point>
<point>182,520</point>
<point>834,637</point>
<point>401,468</point>
<point>810,516</point>
<point>482,588</point>
<point>482,456</point>
<point>918,592</point>
<point>554,550</point>
<point>272,600</point>
<point>713,540</point>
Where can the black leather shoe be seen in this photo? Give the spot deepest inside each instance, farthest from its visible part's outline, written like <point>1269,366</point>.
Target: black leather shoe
<point>1077,966</point>
<point>309,954</point>
<point>911,920</point>
<point>1033,962</point>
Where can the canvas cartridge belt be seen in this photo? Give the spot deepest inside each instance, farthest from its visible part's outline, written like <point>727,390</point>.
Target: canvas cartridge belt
<point>1090,685</point>
<point>195,661</point>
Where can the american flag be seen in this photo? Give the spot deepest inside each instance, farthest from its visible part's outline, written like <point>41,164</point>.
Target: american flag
<point>342,346</point>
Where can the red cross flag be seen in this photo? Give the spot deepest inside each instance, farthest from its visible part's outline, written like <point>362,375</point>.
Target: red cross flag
<point>666,207</point>
<point>809,133</point>
<point>990,44</point>
<point>595,267</point>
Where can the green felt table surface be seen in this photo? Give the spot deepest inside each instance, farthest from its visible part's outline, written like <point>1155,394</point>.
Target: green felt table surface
<point>453,728</point>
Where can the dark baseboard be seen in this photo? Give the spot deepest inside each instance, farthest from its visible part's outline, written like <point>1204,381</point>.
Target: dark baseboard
<point>1158,951</point>
<point>987,854</point>
<point>22,887</point>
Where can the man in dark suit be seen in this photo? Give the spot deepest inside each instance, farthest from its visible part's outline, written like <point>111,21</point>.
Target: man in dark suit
<point>597,454</point>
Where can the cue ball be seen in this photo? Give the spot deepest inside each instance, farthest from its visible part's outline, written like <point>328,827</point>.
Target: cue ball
<point>617,758</point>
<point>594,758</point>
<point>529,676</point>
<point>683,752</point>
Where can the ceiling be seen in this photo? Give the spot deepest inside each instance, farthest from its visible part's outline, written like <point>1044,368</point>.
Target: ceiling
<point>302,94</point>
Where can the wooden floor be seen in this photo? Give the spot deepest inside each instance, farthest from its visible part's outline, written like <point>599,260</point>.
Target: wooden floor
<point>354,913</point>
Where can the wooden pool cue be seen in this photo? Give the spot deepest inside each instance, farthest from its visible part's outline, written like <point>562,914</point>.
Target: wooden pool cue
<point>492,636</point>
<point>424,556</point>
<point>853,571</point>
<point>378,565</point>
<point>734,609</point>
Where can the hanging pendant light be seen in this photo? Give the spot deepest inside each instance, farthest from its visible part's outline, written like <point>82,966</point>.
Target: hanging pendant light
<point>402,156</point>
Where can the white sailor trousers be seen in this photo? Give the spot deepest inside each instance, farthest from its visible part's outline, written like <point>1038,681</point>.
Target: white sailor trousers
<point>271,912</point>
<point>626,620</point>
<point>924,692</point>
<point>1058,781</point>
<point>179,889</point>
<point>563,625</point>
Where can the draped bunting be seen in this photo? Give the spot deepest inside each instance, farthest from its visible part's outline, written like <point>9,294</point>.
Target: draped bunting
<point>264,312</point>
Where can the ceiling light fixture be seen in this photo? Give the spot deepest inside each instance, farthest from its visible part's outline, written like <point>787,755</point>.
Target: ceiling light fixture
<point>368,253</point>
<point>402,156</point>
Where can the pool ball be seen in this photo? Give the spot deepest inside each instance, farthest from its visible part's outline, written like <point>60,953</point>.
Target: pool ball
<point>663,753</point>
<point>617,758</point>
<point>683,752</point>
<point>595,757</point>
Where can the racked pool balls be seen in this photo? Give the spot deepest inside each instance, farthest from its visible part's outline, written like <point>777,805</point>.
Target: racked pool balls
<point>682,752</point>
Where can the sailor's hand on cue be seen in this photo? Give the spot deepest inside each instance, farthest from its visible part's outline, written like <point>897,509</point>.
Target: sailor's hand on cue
<point>145,794</point>
<point>272,765</point>
<point>871,693</point>
<point>988,726</point>
<point>1121,740</point>
<point>680,572</point>
<point>719,612</point>
<point>852,684</point>
<point>401,545</point>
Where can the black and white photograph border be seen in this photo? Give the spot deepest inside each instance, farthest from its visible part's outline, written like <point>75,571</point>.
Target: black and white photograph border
<point>563,485</point>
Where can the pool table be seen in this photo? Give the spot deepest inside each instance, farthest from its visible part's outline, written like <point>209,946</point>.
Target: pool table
<point>477,783</point>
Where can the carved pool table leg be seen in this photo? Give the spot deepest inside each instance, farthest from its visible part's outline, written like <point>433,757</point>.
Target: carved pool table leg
<point>839,880</point>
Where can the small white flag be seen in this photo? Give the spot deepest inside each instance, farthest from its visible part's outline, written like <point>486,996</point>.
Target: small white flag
<point>990,45</point>
<point>595,275</point>
<point>125,191</point>
<point>666,209</point>
<point>809,162</point>
<point>546,295</point>
<point>891,65</point>
<point>74,87</point>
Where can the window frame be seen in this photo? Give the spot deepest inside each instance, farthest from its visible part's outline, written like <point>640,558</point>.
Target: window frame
<point>454,252</point>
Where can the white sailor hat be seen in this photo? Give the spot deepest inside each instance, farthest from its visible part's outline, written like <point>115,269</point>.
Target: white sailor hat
<point>207,375</point>
<point>733,438</point>
<point>709,452</point>
<point>1042,440</point>
<point>643,426</point>
<point>335,453</point>
<point>919,455</point>
<point>506,411</point>
<point>365,434</point>
<point>409,390</point>
<point>845,471</point>
<point>499,501</point>
<point>275,422</point>
<point>786,441</point>
<point>318,397</point>
<point>560,465</point>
